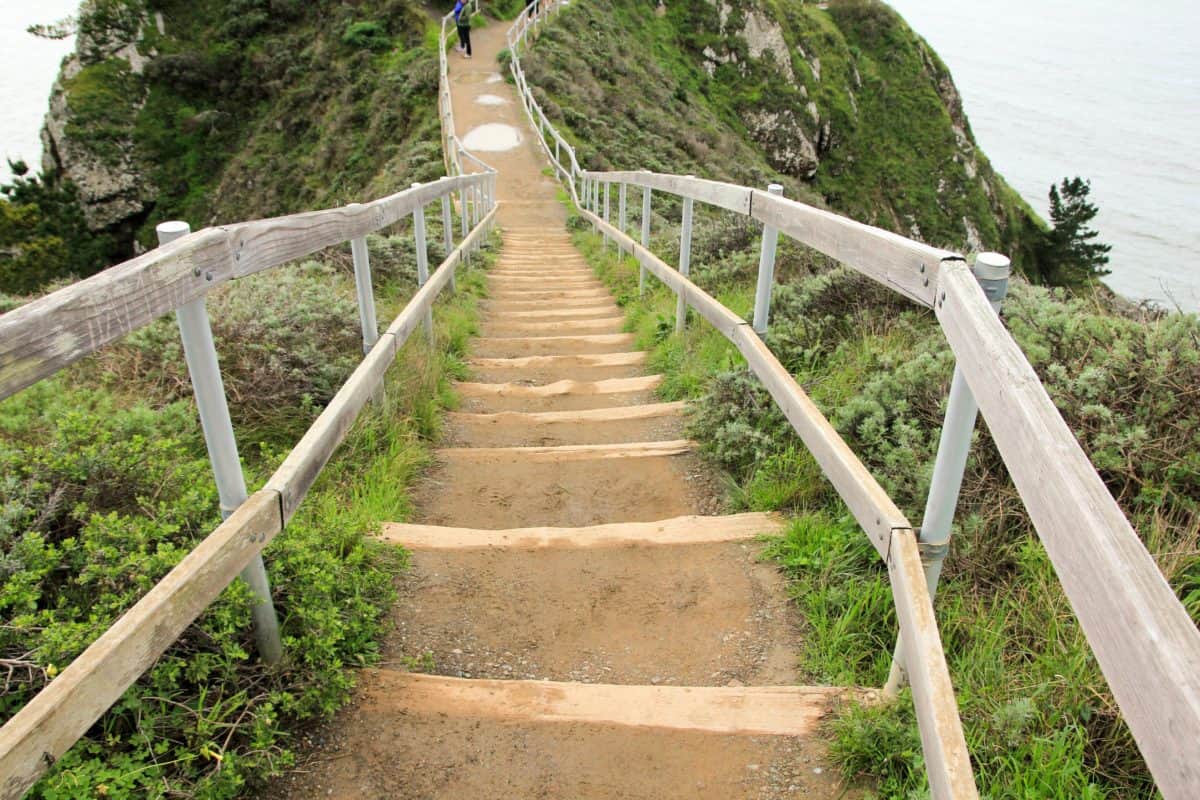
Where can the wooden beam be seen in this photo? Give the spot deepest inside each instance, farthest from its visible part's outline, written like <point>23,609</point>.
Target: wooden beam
<point>714,193</point>
<point>1144,640</point>
<point>41,732</point>
<point>943,745</point>
<point>900,264</point>
<point>569,452</point>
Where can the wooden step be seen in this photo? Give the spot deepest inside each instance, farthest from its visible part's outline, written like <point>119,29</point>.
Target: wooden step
<point>642,423</point>
<point>525,295</point>
<point>749,710</point>
<point>567,453</point>
<point>676,531</point>
<point>513,346</point>
<point>494,325</point>
<point>502,306</point>
<point>608,310</point>
<point>614,386</point>
<point>587,360</point>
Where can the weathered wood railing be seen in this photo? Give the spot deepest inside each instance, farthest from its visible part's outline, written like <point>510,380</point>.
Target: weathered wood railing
<point>1145,642</point>
<point>54,331</point>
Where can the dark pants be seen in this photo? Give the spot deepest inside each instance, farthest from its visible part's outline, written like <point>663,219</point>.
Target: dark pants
<point>464,37</point>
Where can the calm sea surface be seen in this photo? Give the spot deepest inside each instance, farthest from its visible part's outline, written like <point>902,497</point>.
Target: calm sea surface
<point>1106,89</point>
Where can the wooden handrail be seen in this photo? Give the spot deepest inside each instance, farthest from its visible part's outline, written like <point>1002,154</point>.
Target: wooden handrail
<point>62,712</point>
<point>1146,644</point>
<point>51,332</point>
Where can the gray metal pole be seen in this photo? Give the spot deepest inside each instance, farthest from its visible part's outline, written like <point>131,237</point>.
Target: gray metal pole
<point>462,216</point>
<point>621,214</point>
<point>645,237</point>
<point>422,261</point>
<point>366,295</point>
<point>685,261</point>
<point>606,206</point>
<point>448,233</point>
<point>992,270</point>
<point>766,272</point>
<point>201,355</point>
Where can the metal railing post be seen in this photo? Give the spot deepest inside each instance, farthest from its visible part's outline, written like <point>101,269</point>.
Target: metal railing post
<point>992,270</point>
<point>422,261</point>
<point>366,295</point>
<point>645,237</point>
<point>464,223</point>
<point>766,272</point>
<point>685,261</point>
<point>201,355</point>
<point>448,233</point>
<point>621,215</point>
<point>606,185</point>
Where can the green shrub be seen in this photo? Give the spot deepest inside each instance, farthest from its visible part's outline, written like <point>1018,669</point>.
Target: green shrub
<point>367,35</point>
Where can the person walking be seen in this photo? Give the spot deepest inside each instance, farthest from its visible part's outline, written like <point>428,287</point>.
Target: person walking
<point>462,20</point>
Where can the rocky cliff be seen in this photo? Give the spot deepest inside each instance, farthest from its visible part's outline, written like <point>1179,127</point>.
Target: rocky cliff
<point>842,99</point>
<point>218,111</point>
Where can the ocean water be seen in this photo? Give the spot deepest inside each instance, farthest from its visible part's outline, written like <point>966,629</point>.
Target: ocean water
<point>28,66</point>
<point>1105,89</point>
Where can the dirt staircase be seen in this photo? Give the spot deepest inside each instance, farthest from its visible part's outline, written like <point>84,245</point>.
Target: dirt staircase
<point>584,630</point>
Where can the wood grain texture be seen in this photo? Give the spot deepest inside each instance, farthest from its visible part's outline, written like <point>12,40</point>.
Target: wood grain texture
<point>54,331</point>
<point>53,721</point>
<point>715,193</point>
<point>571,452</point>
<point>47,334</point>
<point>1147,646</point>
<point>947,761</point>
<point>900,264</point>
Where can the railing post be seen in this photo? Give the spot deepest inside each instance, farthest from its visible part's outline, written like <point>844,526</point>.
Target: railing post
<point>448,233</point>
<point>201,355</point>
<point>366,295</point>
<point>645,237</point>
<point>685,261</point>
<point>766,273</point>
<point>422,261</point>
<point>606,185</point>
<point>621,215</point>
<point>992,270</point>
<point>464,223</point>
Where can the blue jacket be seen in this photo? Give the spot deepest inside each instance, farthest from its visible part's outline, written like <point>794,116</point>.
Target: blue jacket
<point>458,9</point>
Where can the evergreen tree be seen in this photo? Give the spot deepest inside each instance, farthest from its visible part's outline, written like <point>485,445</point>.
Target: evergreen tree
<point>1070,254</point>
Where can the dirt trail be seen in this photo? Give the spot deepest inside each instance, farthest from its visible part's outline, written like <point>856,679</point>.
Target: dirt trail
<point>560,428</point>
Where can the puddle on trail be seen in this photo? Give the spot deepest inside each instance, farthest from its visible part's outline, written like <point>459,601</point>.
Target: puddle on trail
<point>491,100</point>
<point>473,77</point>
<point>495,77</point>
<point>492,138</point>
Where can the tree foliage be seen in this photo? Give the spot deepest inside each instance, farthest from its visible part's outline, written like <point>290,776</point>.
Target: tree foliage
<point>1071,256</point>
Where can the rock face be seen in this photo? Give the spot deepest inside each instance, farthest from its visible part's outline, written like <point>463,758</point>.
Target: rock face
<point>87,135</point>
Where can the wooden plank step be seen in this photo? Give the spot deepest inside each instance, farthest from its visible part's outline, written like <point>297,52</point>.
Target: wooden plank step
<point>525,295</point>
<point>512,346</point>
<point>518,327</point>
<point>753,710</point>
<point>567,387</point>
<point>571,452</point>
<point>676,531</point>
<point>543,313</point>
<point>585,360</point>
<point>616,414</point>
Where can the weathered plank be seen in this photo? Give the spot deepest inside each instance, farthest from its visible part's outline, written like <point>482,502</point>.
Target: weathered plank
<point>47,334</point>
<point>1147,646</point>
<point>571,452</point>
<point>947,761</point>
<point>715,193</point>
<point>54,331</point>
<point>900,264</point>
<point>866,499</point>
<point>53,721</point>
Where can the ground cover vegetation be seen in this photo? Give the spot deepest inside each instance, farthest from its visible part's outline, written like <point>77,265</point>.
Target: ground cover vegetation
<point>107,486</point>
<point>1039,718</point>
<point>227,111</point>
